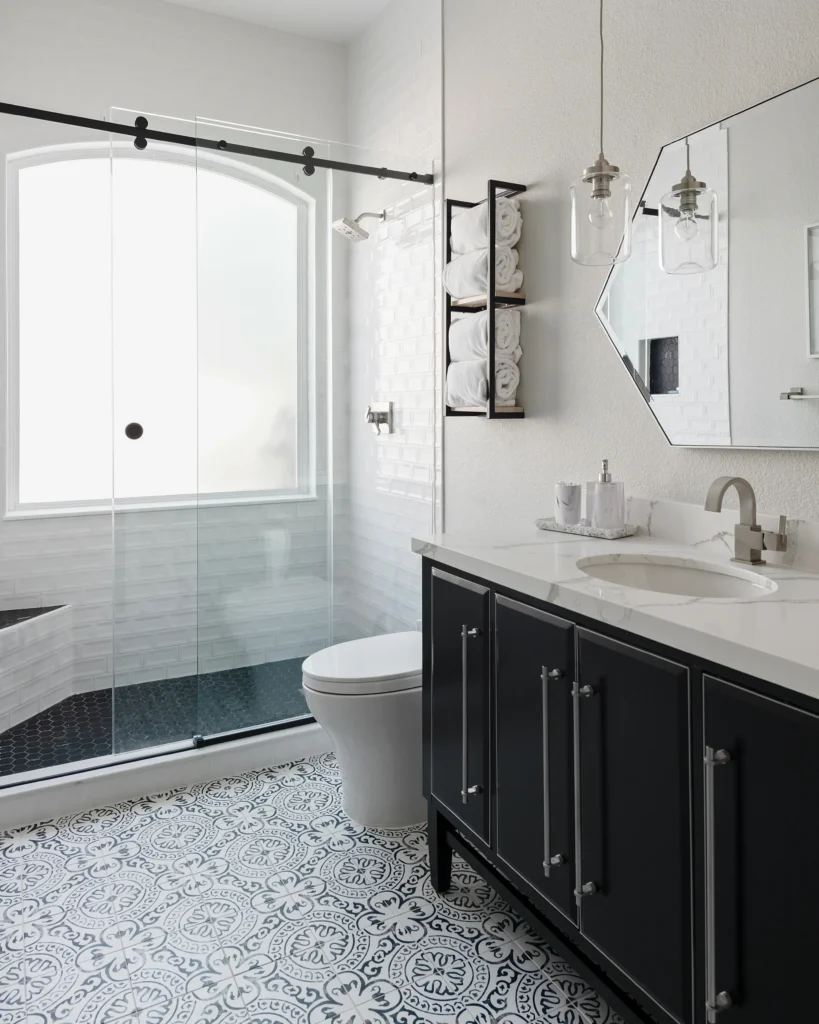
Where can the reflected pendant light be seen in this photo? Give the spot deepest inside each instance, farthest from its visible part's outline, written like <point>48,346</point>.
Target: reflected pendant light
<point>601,205</point>
<point>689,225</point>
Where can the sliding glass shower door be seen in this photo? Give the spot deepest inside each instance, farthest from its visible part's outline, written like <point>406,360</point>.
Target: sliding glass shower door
<point>222,546</point>
<point>155,438</point>
<point>264,581</point>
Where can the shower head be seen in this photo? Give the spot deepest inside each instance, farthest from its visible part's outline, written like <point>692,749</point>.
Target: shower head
<point>352,229</point>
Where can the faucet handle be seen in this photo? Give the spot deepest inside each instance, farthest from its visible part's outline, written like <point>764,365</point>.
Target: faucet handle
<point>776,540</point>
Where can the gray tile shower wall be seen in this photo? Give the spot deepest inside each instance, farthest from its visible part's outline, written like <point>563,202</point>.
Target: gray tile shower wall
<point>235,585</point>
<point>36,665</point>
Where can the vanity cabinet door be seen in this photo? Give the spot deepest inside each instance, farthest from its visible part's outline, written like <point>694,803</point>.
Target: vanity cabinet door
<point>534,674</point>
<point>762,857</point>
<point>459,699</point>
<point>633,754</point>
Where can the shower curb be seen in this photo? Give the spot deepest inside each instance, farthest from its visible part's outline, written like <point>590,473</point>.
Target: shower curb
<point>34,802</point>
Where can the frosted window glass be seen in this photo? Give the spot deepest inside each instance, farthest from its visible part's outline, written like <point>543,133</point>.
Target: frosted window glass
<point>154,284</point>
<point>181,287</point>
<point>64,308</point>
<point>248,337</point>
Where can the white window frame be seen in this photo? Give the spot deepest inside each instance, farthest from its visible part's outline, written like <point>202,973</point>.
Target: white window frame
<point>306,334</point>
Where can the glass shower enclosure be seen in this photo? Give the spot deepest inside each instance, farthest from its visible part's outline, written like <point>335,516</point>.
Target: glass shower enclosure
<point>177,489</point>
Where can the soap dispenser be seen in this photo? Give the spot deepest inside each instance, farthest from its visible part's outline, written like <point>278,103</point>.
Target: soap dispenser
<point>606,501</point>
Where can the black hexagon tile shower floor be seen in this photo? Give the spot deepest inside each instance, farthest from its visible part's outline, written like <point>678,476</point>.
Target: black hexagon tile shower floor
<point>255,899</point>
<point>149,714</point>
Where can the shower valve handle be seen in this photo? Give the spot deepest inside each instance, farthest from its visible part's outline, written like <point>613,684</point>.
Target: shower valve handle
<point>379,416</point>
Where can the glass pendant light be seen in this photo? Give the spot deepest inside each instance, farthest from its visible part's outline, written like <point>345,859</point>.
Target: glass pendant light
<point>689,226</point>
<point>601,205</point>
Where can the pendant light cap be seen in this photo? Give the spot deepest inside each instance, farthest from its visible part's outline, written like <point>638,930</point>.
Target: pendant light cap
<point>600,175</point>
<point>688,189</point>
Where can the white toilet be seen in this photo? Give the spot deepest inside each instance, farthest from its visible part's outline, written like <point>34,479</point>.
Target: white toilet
<point>367,695</point>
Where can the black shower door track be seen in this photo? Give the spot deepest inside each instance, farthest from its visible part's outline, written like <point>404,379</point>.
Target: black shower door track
<point>141,132</point>
<point>196,743</point>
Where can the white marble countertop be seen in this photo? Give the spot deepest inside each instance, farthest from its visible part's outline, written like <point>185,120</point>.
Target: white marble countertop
<point>773,636</point>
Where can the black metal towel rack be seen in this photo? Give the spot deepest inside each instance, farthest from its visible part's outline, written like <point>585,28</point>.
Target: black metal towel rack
<point>490,302</point>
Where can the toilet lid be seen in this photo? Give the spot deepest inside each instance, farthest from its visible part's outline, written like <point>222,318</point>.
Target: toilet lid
<point>376,664</point>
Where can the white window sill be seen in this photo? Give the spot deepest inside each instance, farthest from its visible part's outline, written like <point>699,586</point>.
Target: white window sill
<point>154,505</point>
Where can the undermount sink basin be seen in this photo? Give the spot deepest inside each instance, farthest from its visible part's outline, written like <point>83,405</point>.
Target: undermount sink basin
<point>684,576</point>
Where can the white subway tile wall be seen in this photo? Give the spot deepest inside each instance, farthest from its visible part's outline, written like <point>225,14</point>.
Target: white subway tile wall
<point>392,485</point>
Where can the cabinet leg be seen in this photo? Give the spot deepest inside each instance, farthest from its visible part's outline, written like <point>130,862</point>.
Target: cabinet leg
<point>440,853</point>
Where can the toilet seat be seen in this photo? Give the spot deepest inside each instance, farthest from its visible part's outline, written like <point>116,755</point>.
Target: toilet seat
<point>375,664</point>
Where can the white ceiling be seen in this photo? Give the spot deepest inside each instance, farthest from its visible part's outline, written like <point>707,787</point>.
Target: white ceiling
<point>338,21</point>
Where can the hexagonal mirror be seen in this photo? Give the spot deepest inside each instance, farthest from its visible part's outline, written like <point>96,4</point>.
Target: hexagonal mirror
<point>716,313</point>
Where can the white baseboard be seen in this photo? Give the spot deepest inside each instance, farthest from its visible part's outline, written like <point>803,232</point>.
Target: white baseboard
<point>52,798</point>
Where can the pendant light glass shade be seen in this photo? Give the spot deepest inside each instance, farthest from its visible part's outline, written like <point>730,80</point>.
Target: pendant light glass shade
<point>689,228</point>
<point>601,216</point>
<point>601,204</point>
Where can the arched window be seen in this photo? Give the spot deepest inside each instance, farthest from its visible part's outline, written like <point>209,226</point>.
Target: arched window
<point>168,289</point>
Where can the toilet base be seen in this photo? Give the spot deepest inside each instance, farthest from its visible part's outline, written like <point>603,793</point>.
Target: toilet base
<point>377,740</point>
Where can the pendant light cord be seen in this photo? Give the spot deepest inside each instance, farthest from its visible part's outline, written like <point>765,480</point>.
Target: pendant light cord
<point>602,50</point>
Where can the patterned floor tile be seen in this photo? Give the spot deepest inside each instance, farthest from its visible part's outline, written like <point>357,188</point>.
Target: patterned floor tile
<point>254,900</point>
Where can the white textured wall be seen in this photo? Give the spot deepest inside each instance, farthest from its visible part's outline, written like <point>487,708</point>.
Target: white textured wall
<point>520,104</point>
<point>85,56</point>
<point>395,110</point>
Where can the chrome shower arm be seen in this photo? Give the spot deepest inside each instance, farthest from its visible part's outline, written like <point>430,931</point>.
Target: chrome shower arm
<point>379,216</point>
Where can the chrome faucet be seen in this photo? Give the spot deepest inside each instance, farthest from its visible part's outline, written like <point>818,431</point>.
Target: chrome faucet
<point>750,540</point>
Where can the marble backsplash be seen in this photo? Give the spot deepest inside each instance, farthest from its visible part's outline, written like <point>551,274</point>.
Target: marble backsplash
<point>713,532</point>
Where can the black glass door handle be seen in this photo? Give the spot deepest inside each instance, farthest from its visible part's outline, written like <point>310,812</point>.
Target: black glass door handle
<point>134,431</point>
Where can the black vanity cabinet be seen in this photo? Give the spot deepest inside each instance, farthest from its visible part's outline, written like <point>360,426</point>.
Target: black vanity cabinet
<point>762,857</point>
<point>458,700</point>
<point>655,819</point>
<point>634,800</point>
<point>534,673</point>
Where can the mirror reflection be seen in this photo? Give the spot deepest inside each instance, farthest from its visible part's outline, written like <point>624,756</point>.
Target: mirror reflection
<point>716,313</point>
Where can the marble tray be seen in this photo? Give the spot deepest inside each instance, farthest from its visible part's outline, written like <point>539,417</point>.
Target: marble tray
<point>585,529</point>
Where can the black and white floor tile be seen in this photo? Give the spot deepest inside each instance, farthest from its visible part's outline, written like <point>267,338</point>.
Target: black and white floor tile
<point>254,899</point>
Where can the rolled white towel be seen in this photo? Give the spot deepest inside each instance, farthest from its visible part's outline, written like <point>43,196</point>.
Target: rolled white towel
<point>466,382</point>
<point>507,379</point>
<point>469,274</point>
<point>470,228</point>
<point>469,335</point>
<point>507,331</point>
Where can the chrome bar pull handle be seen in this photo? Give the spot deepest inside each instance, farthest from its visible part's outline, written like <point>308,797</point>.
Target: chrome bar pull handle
<point>714,1001</point>
<point>548,860</point>
<point>466,790</point>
